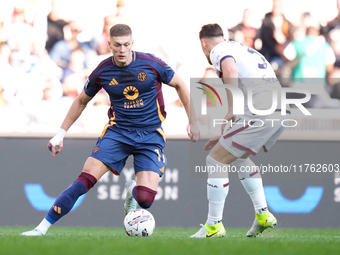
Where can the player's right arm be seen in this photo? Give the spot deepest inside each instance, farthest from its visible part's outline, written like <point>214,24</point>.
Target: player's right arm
<point>91,88</point>
<point>72,115</point>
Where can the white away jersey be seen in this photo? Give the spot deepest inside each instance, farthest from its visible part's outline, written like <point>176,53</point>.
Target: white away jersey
<point>254,72</point>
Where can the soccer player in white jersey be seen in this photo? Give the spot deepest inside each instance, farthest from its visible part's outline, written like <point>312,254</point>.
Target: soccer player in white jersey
<point>237,64</point>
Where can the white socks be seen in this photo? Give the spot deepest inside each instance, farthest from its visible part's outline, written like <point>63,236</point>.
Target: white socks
<point>252,182</point>
<point>218,187</point>
<point>217,190</point>
<point>215,213</point>
<point>44,226</point>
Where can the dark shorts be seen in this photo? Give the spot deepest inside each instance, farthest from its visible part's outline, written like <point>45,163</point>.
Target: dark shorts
<point>115,145</point>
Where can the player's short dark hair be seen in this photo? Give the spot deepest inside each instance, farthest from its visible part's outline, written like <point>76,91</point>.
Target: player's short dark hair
<point>211,30</point>
<point>120,30</point>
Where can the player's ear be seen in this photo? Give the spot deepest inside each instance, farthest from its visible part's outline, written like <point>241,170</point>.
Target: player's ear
<point>203,43</point>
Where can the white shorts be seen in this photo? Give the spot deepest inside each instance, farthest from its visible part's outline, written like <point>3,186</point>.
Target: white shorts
<point>250,136</point>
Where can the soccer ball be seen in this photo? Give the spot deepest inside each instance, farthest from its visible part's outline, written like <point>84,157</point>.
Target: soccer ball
<point>139,222</point>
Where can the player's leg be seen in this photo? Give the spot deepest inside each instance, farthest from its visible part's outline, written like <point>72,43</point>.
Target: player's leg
<point>146,188</point>
<point>142,192</point>
<point>218,182</point>
<point>92,171</point>
<point>217,191</point>
<point>224,153</point>
<point>251,180</point>
<point>149,163</point>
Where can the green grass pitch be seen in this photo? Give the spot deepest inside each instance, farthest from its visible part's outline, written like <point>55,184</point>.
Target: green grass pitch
<point>101,241</point>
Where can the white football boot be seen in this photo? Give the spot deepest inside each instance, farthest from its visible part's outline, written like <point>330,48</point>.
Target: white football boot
<point>34,232</point>
<point>208,231</point>
<point>130,202</point>
<point>261,223</point>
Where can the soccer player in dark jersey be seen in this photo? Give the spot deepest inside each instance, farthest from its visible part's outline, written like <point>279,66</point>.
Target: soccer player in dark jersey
<point>133,81</point>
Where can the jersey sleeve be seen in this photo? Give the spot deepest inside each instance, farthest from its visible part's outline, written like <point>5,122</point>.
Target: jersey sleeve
<point>166,72</point>
<point>92,85</point>
<point>219,53</point>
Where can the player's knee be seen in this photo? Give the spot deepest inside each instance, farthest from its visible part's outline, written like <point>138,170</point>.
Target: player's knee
<point>246,168</point>
<point>145,196</point>
<point>87,179</point>
<point>216,169</point>
<point>249,175</point>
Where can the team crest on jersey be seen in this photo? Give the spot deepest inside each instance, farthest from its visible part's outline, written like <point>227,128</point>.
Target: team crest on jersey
<point>95,150</point>
<point>131,93</point>
<point>142,76</point>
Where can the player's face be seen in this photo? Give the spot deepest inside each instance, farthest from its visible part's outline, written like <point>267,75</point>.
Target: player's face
<point>205,50</point>
<point>121,47</point>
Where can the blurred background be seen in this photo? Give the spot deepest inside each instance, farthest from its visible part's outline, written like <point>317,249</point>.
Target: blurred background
<point>49,47</point>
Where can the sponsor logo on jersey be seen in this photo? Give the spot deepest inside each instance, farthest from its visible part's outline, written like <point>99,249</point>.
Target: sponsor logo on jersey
<point>95,150</point>
<point>131,93</point>
<point>142,76</point>
<point>113,82</point>
<point>133,104</point>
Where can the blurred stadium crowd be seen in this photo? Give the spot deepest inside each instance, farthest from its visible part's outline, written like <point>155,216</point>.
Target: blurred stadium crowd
<point>45,61</point>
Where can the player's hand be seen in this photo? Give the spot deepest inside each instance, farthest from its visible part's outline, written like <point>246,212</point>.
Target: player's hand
<point>211,143</point>
<point>56,141</point>
<point>193,132</point>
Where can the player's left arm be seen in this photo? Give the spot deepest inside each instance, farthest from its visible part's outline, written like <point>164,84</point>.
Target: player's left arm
<point>184,96</point>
